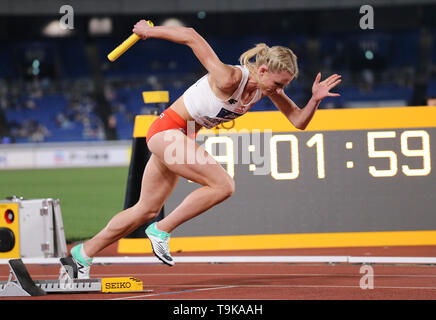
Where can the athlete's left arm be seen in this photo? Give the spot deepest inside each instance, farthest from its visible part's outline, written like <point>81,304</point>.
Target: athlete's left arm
<point>300,118</point>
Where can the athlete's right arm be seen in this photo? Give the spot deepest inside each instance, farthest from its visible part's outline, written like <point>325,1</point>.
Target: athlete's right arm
<point>225,77</point>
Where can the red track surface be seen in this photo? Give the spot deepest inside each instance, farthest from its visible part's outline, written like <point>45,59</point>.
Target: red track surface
<point>272,281</point>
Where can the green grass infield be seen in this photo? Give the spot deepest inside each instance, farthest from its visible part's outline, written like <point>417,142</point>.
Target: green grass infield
<point>89,197</point>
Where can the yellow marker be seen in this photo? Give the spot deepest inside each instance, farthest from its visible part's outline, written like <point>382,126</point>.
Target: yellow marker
<point>155,96</point>
<point>121,284</point>
<point>130,41</point>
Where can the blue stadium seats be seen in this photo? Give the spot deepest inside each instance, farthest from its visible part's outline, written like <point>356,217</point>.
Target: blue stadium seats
<point>172,64</point>
<point>45,111</point>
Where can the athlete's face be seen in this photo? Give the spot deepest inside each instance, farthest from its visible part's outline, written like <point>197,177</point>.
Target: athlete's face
<point>273,82</point>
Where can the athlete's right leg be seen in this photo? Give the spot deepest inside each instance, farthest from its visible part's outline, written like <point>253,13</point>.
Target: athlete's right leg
<point>186,158</point>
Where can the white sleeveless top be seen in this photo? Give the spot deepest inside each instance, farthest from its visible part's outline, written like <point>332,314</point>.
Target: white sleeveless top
<point>208,110</point>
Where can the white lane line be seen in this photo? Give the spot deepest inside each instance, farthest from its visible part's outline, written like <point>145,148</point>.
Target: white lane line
<point>173,292</point>
<point>243,259</point>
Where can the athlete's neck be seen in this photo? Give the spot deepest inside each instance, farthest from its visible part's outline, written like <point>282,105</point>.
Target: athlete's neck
<point>251,86</point>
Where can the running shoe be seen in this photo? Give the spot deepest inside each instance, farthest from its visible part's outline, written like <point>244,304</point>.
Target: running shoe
<point>77,267</point>
<point>160,244</point>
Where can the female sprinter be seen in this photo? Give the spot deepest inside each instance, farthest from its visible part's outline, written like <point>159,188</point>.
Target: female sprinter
<point>225,93</point>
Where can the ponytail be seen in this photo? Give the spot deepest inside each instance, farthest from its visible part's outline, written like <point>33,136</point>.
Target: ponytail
<point>259,51</point>
<point>276,58</point>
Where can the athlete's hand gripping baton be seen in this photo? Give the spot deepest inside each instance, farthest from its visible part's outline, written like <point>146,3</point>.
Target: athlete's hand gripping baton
<point>130,41</point>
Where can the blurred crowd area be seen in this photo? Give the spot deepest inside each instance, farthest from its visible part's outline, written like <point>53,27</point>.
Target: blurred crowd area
<point>65,89</point>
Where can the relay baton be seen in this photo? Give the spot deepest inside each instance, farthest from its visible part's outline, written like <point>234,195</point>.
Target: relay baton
<point>130,41</point>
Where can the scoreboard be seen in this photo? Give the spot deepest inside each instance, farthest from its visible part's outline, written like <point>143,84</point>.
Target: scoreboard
<point>353,177</point>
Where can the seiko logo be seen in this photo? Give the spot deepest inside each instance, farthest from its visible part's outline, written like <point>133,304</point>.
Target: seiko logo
<point>118,285</point>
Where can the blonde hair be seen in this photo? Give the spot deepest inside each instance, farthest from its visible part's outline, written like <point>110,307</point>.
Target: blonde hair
<point>276,58</point>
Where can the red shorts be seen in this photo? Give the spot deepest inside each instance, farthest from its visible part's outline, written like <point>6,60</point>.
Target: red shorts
<point>169,119</point>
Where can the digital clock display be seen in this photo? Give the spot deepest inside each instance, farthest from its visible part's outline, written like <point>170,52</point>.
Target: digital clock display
<point>322,181</point>
<point>266,150</point>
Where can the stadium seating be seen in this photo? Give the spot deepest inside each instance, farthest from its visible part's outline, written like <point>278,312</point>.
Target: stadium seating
<point>385,57</point>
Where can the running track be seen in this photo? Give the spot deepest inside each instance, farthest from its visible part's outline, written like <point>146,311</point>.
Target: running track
<point>264,281</point>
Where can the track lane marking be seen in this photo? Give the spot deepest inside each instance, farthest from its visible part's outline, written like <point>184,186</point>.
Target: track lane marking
<point>173,292</point>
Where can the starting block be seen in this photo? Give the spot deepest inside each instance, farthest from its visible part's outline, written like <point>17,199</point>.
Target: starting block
<point>21,284</point>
